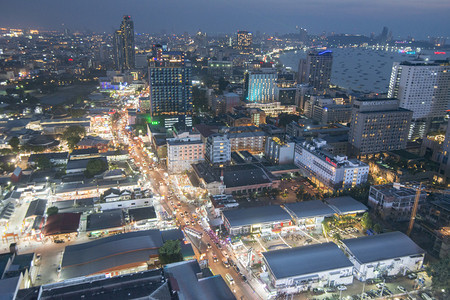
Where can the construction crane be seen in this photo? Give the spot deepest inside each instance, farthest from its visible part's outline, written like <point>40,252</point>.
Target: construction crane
<point>416,201</point>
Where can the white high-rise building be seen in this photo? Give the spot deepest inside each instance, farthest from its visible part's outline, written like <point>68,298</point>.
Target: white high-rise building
<point>423,87</point>
<point>218,150</point>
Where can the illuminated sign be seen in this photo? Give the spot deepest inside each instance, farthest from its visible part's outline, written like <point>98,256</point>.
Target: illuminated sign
<point>440,53</point>
<point>329,161</point>
<point>326,51</point>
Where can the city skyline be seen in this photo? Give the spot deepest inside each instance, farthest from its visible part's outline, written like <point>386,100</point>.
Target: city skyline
<point>347,16</point>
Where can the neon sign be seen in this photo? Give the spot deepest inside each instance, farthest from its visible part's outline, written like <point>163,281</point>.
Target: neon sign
<point>329,161</point>
<point>440,53</point>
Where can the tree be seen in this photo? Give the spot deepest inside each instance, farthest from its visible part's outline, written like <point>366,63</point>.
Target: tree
<point>284,119</point>
<point>14,142</point>
<point>53,210</point>
<point>377,228</point>
<point>73,134</point>
<point>223,83</point>
<point>95,166</point>
<point>366,222</point>
<point>170,252</point>
<point>43,163</point>
<point>440,273</point>
<point>337,236</point>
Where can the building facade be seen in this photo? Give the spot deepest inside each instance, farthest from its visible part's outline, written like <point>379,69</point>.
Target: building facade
<point>218,150</point>
<point>393,203</point>
<point>183,152</point>
<point>378,125</point>
<point>124,53</point>
<point>424,88</point>
<point>261,86</point>
<point>170,86</point>
<point>327,171</point>
<point>315,70</point>
<point>279,151</point>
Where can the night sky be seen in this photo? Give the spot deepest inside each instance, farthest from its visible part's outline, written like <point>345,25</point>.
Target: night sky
<point>417,18</point>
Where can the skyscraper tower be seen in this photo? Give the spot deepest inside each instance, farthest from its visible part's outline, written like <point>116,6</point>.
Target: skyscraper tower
<point>316,70</point>
<point>244,41</point>
<point>423,87</point>
<point>170,87</point>
<point>124,53</point>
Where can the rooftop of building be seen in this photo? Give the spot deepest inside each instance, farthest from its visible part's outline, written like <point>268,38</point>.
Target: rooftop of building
<point>51,155</point>
<point>110,253</point>
<point>346,205</point>
<point>391,191</point>
<point>383,246</point>
<point>84,152</point>
<point>138,285</point>
<point>112,218</point>
<point>309,209</point>
<point>62,223</point>
<point>256,215</point>
<point>184,280</point>
<point>36,208</point>
<point>306,260</point>
<point>142,213</point>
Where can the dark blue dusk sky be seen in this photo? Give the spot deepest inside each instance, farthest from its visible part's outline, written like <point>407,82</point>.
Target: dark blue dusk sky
<point>417,18</point>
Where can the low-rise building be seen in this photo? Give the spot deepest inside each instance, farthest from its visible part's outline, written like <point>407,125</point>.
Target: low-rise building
<point>264,219</point>
<point>309,214</point>
<point>393,202</point>
<point>346,205</point>
<point>330,172</point>
<point>303,268</point>
<point>386,254</point>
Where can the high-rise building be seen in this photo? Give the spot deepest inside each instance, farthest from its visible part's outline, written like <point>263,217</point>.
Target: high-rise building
<point>316,70</point>
<point>424,88</point>
<point>218,150</point>
<point>261,86</point>
<point>378,125</point>
<point>124,52</point>
<point>244,41</point>
<point>170,85</point>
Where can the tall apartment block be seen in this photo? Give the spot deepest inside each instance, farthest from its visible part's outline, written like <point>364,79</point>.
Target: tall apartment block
<point>261,86</point>
<point>244,41</point>
<point>170,88</point>
<point>315,70</point>
<point>124,53</point>
<point>183,151</point>
<point>218,150</point>
<point>424,88</point>
<point>378,125</point>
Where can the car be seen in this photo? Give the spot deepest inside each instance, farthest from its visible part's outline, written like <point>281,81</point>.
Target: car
<point>229,278</point>
<point>342,288</point>
<point>199,222</point>
<point>225,263</point>
<point>236,268</point>
<point>215,259</point>
<point>188,223</point>
<point>380,285</point>
<point>318,291</point>
<point>330,290</point>
<point>208,245</point>
<point>401,289</point>
<point>412,276</point>
<point>244,278</point>
<point>58,269</point>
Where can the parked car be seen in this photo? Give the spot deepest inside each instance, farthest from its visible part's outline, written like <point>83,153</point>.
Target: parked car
<point>342,288</point>
<point>401,289</point>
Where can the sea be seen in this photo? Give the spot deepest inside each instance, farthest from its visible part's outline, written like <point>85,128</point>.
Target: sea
<point>360,69</point>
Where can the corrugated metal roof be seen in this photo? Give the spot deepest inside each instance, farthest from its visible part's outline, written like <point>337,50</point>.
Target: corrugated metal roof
<point>346,205</point>
<point>256,215</point>
<point>305,260</point>
<point>382,246</point>
<point>309,209</point>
